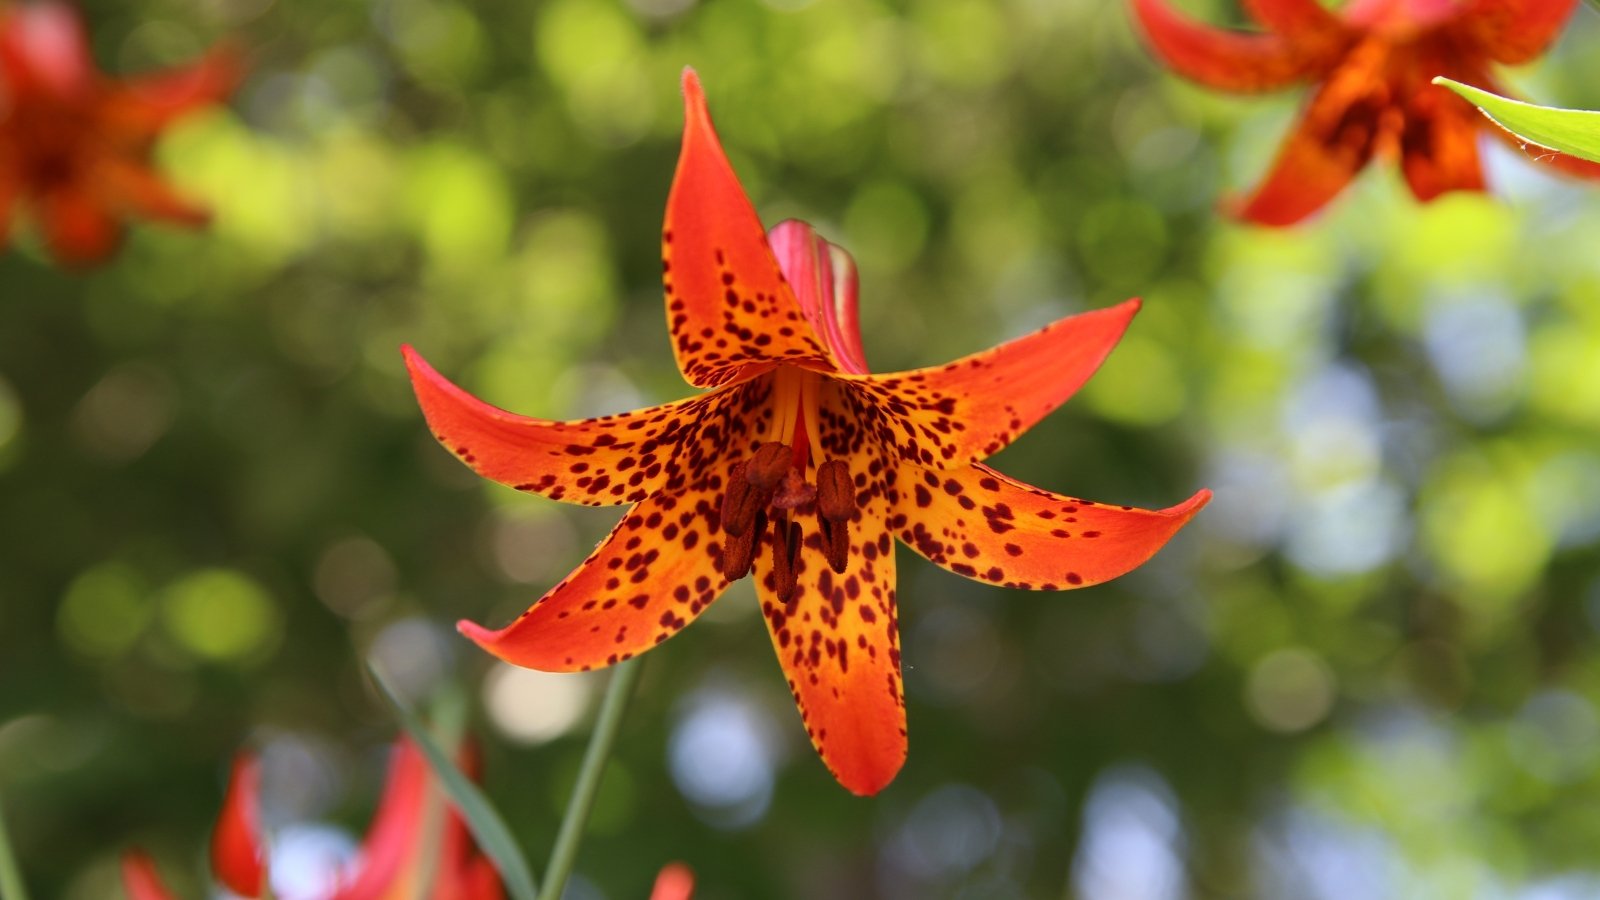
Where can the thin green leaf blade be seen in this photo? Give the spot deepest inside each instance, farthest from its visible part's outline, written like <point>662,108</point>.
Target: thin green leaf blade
<point>1574,131</point>
<point>487,827</point>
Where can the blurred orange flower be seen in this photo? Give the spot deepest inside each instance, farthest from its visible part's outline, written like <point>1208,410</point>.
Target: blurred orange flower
<point>1374,63</point>
<point>799,463</point>
<point>391,859</point>
<point>75,146</point>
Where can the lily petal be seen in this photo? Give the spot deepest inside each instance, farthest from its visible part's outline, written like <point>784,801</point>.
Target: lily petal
<point>135,188</point>
<point>1301,21</point>
<point>391,839</point>
<point>674,882</point>
<point>654,574</point>
<point>607,461</point>
<point>140,880</point>
<point>1337,135</point>
<point>1516,31</point>
<point>77,226</point>
<point>1216,57</point>
<point>236,853</point>
<point>43,48</point>
<point>151,102</point>
<point>969,409</point>
<point>986,526</point>
<point>1439,144</point>
<point>729,310</point>
<point>838,636</point>
<point>823,277</point>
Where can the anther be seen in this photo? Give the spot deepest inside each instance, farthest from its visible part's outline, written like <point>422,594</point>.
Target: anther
<point>768,465</point>
<point>785,552</point>
<point>836,505</point>
<point>741,502</point>
<point>739,550</point>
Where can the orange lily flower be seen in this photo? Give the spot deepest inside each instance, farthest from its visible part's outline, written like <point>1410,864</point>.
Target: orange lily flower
<point>389,863</point>
<point>1374,61</point>
<point>75,146</point>
<point>800,463</point>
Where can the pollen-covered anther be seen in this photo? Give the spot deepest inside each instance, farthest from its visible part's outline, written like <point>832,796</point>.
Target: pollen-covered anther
<point>739,550</point>
<point>836,506</point>
<point>785,553</point>
<point>768,465</point>
<point>741,503</point>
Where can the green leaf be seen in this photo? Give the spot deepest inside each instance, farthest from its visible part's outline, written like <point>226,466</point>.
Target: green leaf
<point>487,827</point>
<point>1574,131</point>
<point>11,885</point>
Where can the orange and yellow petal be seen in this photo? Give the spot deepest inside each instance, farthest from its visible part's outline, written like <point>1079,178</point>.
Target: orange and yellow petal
<point>1516,31</point>
<point>823,278</point>
<point>653,575</point>
<point>729,311</point>
<point>986,526</point>
<point>237,859</point>
<point>1216,57</point>
<point>606,461</point>
<point>140,880</point>
<point>78,227</point>
<point>969,409</point>
<point>837,637</point>
<point>1336,137</point>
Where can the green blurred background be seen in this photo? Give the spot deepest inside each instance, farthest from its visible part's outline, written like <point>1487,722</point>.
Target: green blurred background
<point>1368,669</point>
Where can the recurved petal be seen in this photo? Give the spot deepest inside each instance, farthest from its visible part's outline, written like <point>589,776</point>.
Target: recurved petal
<point>1336,136</point>
<point>610,460</point>
<point>396,829</point>
<point>654,574</point>
<point>1516,31</point>
<point>823,278</point>
<point>838,637</point>
<point>1218,58</point>
<point>148,103</point>
<point>236,852</point>
<point>979,523</point>
<point>133,188</point>
<point>675,882</point>
<point>728,308</point>
<point>1439,144</point>
<point>1304,22</point>
<point>43,48</point>
<point>969,409</point>
<point>140,880</point>
<point>78,227</point>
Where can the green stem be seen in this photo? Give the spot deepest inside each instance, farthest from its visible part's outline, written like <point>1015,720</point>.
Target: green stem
<point>11,886</point>
<point>606,725</point>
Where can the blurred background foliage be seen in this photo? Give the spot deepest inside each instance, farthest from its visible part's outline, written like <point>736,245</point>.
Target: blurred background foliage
<point>1369,669</point>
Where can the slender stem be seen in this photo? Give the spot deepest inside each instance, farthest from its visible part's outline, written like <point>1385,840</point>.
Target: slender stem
<point>606,725</point>
<point>11,886</point>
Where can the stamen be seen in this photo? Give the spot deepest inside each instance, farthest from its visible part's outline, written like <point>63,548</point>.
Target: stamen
<point>836,506</point>
<point>741,502</point>
<point>739,550</point>
<point>785,551</point>
<point>768,466</point>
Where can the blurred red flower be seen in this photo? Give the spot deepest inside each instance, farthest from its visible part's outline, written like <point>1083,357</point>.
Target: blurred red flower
<point>1374,62</point>
<point>799,463</point>
<point>391,859</point>
<point>75,146</point>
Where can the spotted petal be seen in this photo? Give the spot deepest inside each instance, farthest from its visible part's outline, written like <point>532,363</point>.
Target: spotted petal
<point>236,854</point>
<point>969,409</point>
<point>1216,57</point>
<point>1516,31</point>
<point>730,312</point>
<point>1337,135</point>
<point>610,460</point>
<point>837,637</point>
<point>986,526</point>
<point>654,574</point>
<point>140,880</point>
